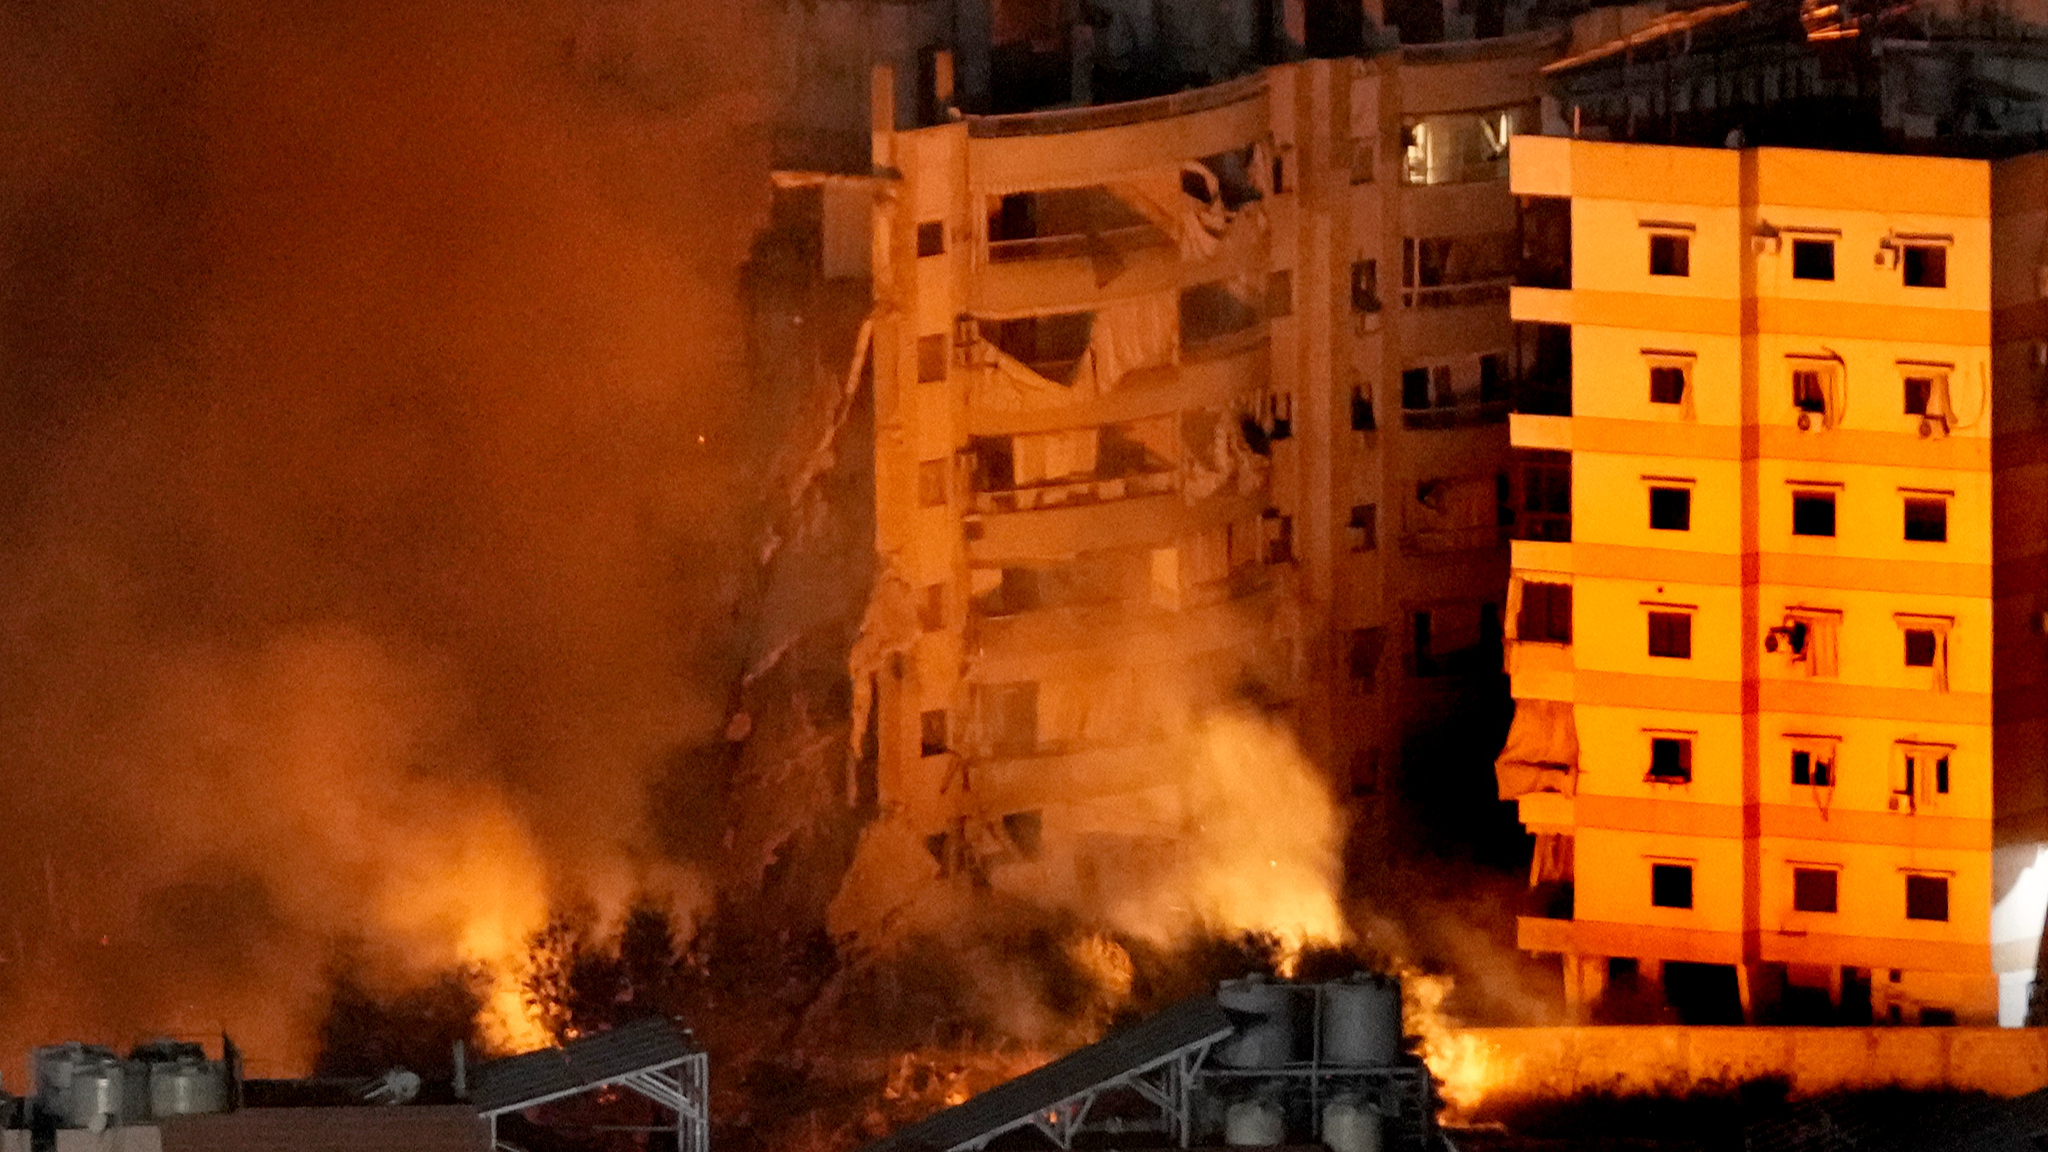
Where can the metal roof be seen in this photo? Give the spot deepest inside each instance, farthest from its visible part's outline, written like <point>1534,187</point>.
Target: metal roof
<point>586,1062</point>
<point>1146,1044</point>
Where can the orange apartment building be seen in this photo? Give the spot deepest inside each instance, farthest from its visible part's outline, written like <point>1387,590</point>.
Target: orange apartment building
<point>1178,401</point>
<point>1756,675</point>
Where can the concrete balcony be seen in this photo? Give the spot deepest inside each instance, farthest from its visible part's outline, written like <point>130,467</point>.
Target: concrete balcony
<point>1056,533</point>
<point>1551,433</point>
<point>1540,305</point>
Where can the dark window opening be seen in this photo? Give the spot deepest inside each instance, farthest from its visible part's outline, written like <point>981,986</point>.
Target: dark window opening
<point>1546,613</point>
<point>1671,635</point>
<point>1920,648</point>
<point>1026,830</point>
<point>1050,345</point>
<point>1937,1017</point>
<point>1279,532</point>
<point>1670,255</point>
<point>1813,889</point>
<point>932,732</point>
<point>1363,656</point>
<point>1365,286</point>
<point>931,238</point>
<point>1543,369</point>
<point>1671,885</point>
<point>1809,391</point>
<point>1671,759</point>
<point>1816,769</point>
<point>1365,527</point>
<point>1671,509</point>
<point>1362,419</point>
<point>931,608</point>
<point>1667,384</point>
<point>1544,231</point>
<point>1926,266</point>
<point>1425,662</point>
<point>1919,390</point>
<point>1813,259</point>
<point>1813,514</point>
<point>1926,897</point>
<point>1492,379</point>
<point>1927,520</point>
<point>1415,388</point>
<point>1546,508</point>
<point>1212,311</point>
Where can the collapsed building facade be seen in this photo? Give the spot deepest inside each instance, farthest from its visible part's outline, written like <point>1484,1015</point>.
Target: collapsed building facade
<point>1183,402</point>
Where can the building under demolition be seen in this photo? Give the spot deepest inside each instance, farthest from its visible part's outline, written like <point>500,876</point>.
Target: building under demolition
<point>1180,401</point>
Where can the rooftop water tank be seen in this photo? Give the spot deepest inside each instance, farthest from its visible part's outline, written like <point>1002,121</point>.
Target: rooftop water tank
<point>1254,1123</point>
<point>187,1087</point>
<point>1351,1126</point>
<point>1264,1014</point>
<point>79,1085</point>
<point>1362,1021</point>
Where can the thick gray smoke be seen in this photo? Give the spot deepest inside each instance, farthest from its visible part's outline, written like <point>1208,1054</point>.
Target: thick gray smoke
<point>370,499</point>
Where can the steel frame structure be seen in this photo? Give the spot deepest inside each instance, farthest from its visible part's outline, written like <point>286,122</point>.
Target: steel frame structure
<point>682,1085</point>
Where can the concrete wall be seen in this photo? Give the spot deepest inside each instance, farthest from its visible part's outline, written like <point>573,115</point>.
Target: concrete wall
<point>1551,1063</point>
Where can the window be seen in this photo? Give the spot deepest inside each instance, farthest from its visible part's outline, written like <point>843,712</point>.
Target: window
<point>1279,537</point>
<point>1671,635</point>
<point>1920,647</point>
<point>1361,411</point>
<point>931,608</point>
<point>1026,830</point>
<point>1670,255</point>
<point>1920,775</point>
<point>1365,527</point>
<point>1809,390</point>
<point>1364,656</point>
<point>1814,890</point>
<point>931,238</point>
<point>1814,765</point>
<point>1926,519</point>
<point>1671,509</point>
<point>1671,885</point>
<point>1365,286</point>
<point>931,358</point>
<point>1415,388</point>
<point>1011,717</point>
<point>1667,384</point>
<point>1545,615</point>
<point>1813,259</point>
<point>1926,266</point>
<point>931,484</point>
<point>1492,378</point>
<point>1919,390</point>
<point>1813,513</point>
<point>1670,759</point>
<point>932,731</point>
<point>1926,897</point>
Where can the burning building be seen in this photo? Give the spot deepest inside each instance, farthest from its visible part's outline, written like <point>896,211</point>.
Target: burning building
<point>1182,403</point>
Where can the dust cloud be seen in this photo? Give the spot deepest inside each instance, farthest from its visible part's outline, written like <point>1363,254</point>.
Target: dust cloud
<point>370,507</point>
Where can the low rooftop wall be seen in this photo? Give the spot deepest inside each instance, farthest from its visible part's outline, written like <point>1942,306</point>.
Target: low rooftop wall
<point>1535,1064</point>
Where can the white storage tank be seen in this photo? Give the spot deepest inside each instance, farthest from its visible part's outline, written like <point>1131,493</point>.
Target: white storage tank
<point>79,1086</point>
<point>1254,1123</point>
<point>1264,1012</point>
<point>1350,1125</point>
<point>187,1087</point>
<point>1362,1021</point>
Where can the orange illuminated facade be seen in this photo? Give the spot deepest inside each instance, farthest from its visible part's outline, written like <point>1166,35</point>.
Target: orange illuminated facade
<point>1754,666</point>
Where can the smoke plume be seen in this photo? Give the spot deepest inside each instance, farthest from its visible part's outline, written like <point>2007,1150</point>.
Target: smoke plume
<point>370,396</point>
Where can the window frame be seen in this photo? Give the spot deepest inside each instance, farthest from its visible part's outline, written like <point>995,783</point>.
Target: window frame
<point>1675,248</point>
<point>1673,869</point>
<point>1810,495</point>
<point>1924,248</point>
<point>1909,498</point>
<point>1927,879</point>
<point>1833,872</point>
<point>1667,613</point>
<point>1670,488</point>
<point>1810,243</point>
<point>1681,744</point>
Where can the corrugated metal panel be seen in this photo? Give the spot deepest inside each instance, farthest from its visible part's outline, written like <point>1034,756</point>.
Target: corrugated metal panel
<point>514,1082</point>
<point>1184,1025</point>
<point>433,1128</point>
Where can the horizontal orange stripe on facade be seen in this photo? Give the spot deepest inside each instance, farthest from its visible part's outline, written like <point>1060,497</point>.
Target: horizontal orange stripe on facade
<point>1963,328</point>
<point>1782,821</point>
<point>1684,694</point>
<point>1681,566</point>
<point>1905,448</point>
<point>1700,945</point>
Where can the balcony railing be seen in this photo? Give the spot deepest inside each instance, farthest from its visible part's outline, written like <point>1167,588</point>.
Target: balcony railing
<point>1077,492</point>
<point>1460,416</point>
<point>1466,295</point>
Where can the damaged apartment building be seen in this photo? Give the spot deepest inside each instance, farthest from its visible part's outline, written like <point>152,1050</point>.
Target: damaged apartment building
<point>1191,366</point>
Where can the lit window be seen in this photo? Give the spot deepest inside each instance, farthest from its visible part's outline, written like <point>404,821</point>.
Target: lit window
<point>1813,514</point>
<point>1814,889</point>
<point>1926,897</point>
<point>1813,259</point>
<point>1671,886</point>
<point>1670,255</point>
